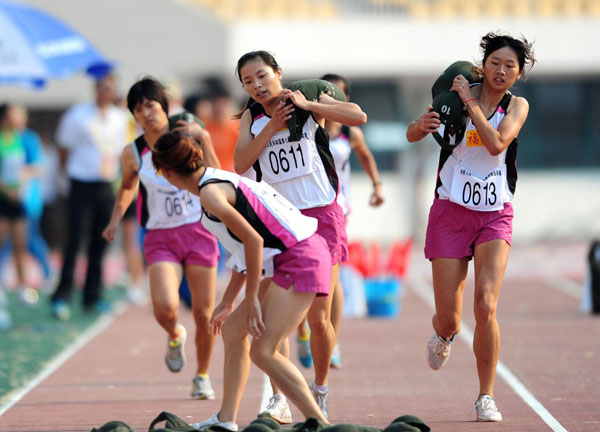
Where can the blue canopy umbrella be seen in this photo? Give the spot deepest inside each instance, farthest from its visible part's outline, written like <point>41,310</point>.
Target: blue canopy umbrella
<point>35,47</point>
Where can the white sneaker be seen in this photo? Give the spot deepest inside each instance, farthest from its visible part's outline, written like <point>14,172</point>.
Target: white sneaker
<point>320,398</point>
<point>214,420</point>
<point>487,410</point>
<point>201,388</point>
<point>137,295</point>
<point>438,351</point>
<point>175,358</point>
<point>28,296</point>
<point>278,409</point>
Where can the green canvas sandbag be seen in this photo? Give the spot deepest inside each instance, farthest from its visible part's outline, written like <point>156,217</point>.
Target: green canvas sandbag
<point>312,90</point>
<point>186,116</point>
<point>173,423</point>
<point>114,426</point>
<point>452,111</point>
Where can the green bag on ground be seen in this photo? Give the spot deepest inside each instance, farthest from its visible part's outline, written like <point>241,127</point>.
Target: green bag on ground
<point>114,426</point>
<point>173,423</point>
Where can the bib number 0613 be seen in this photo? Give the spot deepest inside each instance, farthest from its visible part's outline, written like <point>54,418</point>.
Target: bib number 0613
<point>474,193</point>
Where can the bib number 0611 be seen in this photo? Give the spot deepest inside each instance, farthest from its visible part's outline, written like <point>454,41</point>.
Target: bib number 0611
<point>280,161</point>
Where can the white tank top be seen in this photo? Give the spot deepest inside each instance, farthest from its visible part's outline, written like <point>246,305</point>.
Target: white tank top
<point>278,222</point>
<point>302,171</point>
<point>472,177</point>
<point>341,150</point>
<point>161,205</point>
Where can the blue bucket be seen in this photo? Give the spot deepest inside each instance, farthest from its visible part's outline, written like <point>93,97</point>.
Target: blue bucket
<point>383,297</point>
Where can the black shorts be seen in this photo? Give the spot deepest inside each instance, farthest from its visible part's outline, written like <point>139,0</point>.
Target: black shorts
<point>11,210</point>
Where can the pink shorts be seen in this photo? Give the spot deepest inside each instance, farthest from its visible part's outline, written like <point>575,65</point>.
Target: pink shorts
<point>332,227</point>
<point>307,265</point>
<point>453,231</point>
<point>189,244</point>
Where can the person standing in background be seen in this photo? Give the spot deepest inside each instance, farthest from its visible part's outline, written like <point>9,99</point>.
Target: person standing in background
<point>343,140</point>
<point>14,175</point>
<point>222,128</point>
<point>91,137</point>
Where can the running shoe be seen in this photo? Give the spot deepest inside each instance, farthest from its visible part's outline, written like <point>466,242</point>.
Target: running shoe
<point>175,353</point>
<point>438,351</point>
<point>304,354</point>
<point>61,310</point>
<point>320,398</point>
<point>214,421</point>
<point>278,409</point>
<point>201,388</point>
<point>28,296</point>
<point>487,410</point>
<point>336,357</point>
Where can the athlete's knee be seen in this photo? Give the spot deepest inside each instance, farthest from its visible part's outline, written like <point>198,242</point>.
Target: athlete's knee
<point>164,312</point>
<point>447,325</point>
<point>201,317</point>
<point>320,325</point>
<point>261,354</point>
<point>485,310</point>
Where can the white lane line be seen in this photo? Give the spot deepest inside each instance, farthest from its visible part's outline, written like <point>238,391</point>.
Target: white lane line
<point>426,293</point>
<point>98,327</point>
<point>566,286</point>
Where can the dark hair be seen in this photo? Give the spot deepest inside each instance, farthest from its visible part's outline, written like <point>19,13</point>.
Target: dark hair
<point>522,48</point>
<point>334,77</point>
<point>191,102</point>
<point>267,58</point>
<point>147,88</point>
<point>177,151</point>
<point>4,109</point>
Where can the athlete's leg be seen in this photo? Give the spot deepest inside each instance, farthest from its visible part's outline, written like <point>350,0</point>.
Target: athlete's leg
<point>133,252</point>
<point>282,312</point>
<point>202,281</point>
<point>322,335</point>
<point>165,277</point>
<point>490,263</point>
<point>236,365</point>
<point>19,242</point>
<point>449,275</point>
<point>336,307</point>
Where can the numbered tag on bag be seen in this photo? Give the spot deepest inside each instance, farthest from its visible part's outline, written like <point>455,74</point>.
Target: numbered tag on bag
<point>485,194</point>
<point>283,160</point>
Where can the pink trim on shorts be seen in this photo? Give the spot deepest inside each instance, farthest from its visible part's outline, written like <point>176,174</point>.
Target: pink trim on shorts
<point>189,244</point>
<point>306,265</point>
<point>332,227</point>
<point>453,231</point>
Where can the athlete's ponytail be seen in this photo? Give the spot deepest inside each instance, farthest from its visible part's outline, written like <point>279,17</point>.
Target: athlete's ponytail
<point>248,104</point>
<point>177,151</point>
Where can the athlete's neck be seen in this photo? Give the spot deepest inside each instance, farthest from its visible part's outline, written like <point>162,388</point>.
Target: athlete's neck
<point>489,99</point>
<point>152,135</point>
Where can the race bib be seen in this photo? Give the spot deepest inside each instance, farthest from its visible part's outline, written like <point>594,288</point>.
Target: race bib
<point>173,205</point>
<point>283,160</point>
<point>485,194</point>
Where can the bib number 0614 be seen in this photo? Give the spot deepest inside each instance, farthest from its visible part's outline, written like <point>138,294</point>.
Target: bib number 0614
<point>473,194</point>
